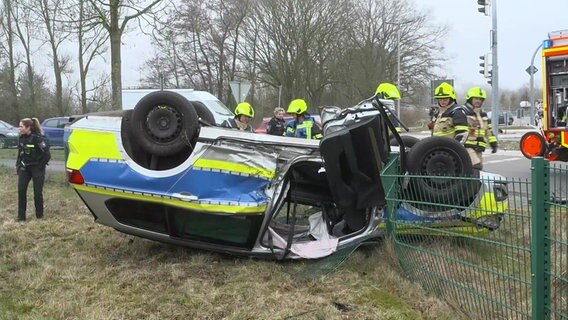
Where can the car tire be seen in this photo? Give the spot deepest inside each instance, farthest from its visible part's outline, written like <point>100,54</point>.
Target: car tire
<point>440,156</point>
<point>2,142</point>
<point>164,123</point>
<point>203,112</point>
<point>409,141</point>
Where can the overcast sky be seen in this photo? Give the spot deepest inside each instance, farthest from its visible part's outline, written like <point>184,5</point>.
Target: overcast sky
<point>522,26</point>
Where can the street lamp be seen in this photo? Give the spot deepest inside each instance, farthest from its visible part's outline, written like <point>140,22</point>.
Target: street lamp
<point>532,70</point>
<point>398,60</point>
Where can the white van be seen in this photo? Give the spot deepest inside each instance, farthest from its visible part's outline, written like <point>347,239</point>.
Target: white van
<point>220,112</point>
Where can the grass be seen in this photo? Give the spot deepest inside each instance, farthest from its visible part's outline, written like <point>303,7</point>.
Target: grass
<point>69,267</point>
<point>12,153</point>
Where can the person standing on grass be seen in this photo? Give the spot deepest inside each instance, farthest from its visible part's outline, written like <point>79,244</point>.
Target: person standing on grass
<point>33,156</point>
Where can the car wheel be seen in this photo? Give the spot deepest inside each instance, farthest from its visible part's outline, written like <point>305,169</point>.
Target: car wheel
<point>435,157</point>
<point>164,123</point>
<point>409,141</point>
<point>2,142</point>
<point>203,112</point>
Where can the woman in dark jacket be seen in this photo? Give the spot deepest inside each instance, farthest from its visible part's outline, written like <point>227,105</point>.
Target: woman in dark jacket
<point>33,156</point>
<point>277,125</point>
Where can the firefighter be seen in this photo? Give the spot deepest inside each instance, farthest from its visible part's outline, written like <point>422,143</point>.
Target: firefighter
<point>303,125</point>
<point>479,133</point>
<point>389,91</point>
<point>33,156</point>
<point>243,115</point>
<point>451,120</point>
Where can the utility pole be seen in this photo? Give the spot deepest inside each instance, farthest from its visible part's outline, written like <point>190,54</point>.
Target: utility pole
<point>494,71</point>
<point>398,69</point>
<point>532,70</point>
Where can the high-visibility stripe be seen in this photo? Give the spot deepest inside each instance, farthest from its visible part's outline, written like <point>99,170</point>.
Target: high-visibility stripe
<point>87,144</point>
<point>214,208</point>
<point>488,205</point>
<point>444,133</point>
<point>461,128</point>
<point>492,139</point>
<point>235,167</point>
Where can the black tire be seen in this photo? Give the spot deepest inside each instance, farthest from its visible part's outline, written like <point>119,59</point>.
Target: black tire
<point>439,156</point>
<point>409,141</point>
<point>203,112</point>
<point>164,123</point>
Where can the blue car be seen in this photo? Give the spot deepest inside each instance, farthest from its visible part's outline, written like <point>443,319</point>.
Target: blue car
<point>53,129</point>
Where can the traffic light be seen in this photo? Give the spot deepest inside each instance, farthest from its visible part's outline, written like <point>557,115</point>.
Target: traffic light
<point>489,78</point>
<point>485,66</point>
<point>484,6</point>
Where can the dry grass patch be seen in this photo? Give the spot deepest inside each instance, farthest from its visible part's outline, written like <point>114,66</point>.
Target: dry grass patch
<point>68,267</point>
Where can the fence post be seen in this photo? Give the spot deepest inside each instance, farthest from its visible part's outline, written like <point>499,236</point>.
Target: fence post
<point>540,238</point>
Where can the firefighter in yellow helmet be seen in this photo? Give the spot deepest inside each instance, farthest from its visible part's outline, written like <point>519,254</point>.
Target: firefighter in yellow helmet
<point>480,134</point>
<point>450,121</point>
<point>389,91</point>
<point>303,125</point>
<point>243,115</point>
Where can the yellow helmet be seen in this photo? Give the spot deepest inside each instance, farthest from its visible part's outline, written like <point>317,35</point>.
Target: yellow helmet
<point>388,91</point>
<point>245,109</point>
<point>476,92</point>
<point>444,90</point>
<point>297,106</point>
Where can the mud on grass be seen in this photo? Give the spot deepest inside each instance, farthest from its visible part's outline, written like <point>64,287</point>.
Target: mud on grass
<point>68,267</point>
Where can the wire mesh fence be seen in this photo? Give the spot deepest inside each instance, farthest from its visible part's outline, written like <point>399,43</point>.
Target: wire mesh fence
<point>471,240</point>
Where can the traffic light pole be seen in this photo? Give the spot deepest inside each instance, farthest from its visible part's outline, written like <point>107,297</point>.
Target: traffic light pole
<point>494,71</point>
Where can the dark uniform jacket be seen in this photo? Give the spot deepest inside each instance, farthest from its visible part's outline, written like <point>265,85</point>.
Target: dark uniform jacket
<point>33,151</point>
<point>276,126</point>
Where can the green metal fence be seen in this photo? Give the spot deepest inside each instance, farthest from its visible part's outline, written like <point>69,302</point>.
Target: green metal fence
<point>494,248</point>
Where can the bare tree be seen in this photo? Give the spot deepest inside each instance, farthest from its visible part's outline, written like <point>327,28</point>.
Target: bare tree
<point>8,47</point>
<point>26,26</point>
<point>50,13</point>
<point>297,41</point>
<point>114,16</point>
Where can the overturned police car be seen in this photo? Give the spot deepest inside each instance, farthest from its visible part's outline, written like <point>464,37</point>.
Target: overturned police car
<point>160,172</point>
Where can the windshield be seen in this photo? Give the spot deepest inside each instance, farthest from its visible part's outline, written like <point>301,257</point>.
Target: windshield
<point>218,107</point>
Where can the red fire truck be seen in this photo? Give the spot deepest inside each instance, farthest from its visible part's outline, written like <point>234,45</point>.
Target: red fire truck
<point>552,140</point>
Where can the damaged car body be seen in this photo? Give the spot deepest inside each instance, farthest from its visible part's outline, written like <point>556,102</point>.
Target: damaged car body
<point>159,172</point>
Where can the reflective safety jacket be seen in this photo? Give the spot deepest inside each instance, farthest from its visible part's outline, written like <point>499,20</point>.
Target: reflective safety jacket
<point>232,124</point>
<point>307,129</point>
<point>451,122</point>
<point>479,133</point>
<point>33,150</point>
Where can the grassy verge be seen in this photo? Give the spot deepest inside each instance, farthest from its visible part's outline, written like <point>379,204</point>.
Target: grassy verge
<point>69,267</point>
<point>56,154</point>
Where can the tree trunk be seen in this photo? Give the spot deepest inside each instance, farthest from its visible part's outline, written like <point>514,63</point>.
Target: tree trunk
<point>115,56</point>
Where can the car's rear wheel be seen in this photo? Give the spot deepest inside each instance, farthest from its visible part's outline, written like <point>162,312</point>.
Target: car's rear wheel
<point>164,123</point>
<point>203,112</point>
<point>445,169</point>
<point>408,141</point>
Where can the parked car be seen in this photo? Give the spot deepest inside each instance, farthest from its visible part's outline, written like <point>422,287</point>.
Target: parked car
<point>502,117</point>
<point>264,124</point>
<point>53,129</point>
<point>157,173</point>
<point>8,135</point>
